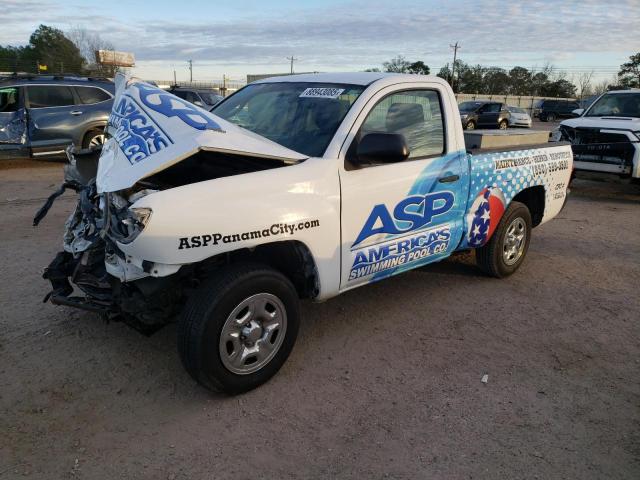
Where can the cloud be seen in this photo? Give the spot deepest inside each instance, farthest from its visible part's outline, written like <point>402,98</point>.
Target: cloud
<point>357,33</point>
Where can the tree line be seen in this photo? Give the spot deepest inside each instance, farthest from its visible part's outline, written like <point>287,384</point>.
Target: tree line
<point>51,50</point>
<point>545,82</point>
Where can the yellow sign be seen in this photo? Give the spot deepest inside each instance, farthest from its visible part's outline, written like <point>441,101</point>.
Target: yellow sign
<point>42,68</point>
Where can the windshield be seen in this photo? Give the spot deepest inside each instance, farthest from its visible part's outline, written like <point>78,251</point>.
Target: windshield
<point>469,106</point>
<point>616,105</point>
<point>210,98</point>
<point>299,116</point>
<point>516,110</point>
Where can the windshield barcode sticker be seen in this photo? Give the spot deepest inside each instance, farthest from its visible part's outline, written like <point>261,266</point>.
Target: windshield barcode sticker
<point>315,92</point>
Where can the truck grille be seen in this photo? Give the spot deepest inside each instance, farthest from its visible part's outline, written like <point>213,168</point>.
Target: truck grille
<point>592,145</point>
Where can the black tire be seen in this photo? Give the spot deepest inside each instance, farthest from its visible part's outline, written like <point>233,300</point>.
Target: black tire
<point>471,125</point>
<point>550,117</point>
<point>542,118</point>
<point>490,257</point>
<point>91,137</point>
<point>503,125</point>
<point>206,312</point>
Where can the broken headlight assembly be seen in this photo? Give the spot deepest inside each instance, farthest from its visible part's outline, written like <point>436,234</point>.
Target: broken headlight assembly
<point>125,223</point>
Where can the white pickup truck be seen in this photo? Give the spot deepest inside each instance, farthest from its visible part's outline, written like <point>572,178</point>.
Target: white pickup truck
<point>295,187</point>
<point>606,136</point>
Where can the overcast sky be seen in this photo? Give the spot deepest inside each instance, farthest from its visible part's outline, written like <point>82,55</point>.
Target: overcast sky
<point>251,36</point>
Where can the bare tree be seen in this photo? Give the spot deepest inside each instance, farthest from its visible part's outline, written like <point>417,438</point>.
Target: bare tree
<point>89,43</point>
<point>601,87</point>
<point>584,84</point>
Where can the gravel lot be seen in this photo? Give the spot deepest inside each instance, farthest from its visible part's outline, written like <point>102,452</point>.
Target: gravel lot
<point>384,381</point>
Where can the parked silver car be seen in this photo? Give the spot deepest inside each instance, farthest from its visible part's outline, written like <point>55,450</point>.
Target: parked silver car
<point>519,117</point>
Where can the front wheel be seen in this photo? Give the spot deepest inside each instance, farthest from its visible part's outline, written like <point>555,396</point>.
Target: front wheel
<point>503,125</point>
<point>507,248</point>
<point>239,328</point>
<point>471,125</point>
<point>551,117</point>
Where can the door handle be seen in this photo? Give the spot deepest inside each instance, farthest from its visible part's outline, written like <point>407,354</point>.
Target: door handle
<point>75,112</point>
<point>449,179</point>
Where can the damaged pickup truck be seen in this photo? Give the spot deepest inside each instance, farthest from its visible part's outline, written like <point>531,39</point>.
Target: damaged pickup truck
<point>294,187</point>
<point>606,136</point>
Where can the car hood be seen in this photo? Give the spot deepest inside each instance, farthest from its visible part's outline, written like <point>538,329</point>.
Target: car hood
<point>616,123</point>
<point>151,129</point>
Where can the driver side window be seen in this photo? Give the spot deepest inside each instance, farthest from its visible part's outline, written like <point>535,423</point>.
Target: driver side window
<point>416,114</point>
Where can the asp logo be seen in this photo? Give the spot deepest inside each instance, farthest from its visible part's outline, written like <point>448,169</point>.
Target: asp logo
<point>172,106</point>
<point>410,214</point>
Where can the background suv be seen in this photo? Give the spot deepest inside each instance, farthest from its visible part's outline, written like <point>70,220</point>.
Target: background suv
<point>482,114</point>
<point>42,115</point>
<point>201,97</point>
<point>550,110</point>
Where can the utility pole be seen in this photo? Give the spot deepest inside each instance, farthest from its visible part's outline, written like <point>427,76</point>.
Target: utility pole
<point>292,59</point>
<point>174,77</point>
<point>453,67</point>
<point>190,62</point>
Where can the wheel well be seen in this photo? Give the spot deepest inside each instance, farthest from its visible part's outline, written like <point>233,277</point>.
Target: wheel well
<point>291,258</point>
<point>533,198</point>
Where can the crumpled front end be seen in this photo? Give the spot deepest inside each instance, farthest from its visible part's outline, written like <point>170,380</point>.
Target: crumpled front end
<point>91,261</point>
<point>155,142</point>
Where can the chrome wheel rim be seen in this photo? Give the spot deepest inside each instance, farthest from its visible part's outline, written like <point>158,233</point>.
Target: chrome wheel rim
<point>253,333</point>
<point>514,241</point>
<point>471,126</point>
<point>503,125</point>
<point>97,141</point>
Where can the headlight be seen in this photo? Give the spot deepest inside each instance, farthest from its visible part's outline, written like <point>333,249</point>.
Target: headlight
<point>135,222</point>
<point>125,224</point>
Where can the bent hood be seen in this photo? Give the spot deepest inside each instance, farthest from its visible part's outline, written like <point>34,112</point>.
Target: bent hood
<point>151,130</point>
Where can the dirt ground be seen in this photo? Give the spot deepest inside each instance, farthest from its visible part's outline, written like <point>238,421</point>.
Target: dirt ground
<point>384,382</point>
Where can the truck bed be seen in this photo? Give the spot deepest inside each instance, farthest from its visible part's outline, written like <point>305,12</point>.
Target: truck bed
<point>503,139</point>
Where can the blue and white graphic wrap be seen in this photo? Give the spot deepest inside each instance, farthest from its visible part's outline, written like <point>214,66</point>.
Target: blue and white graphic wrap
<point>136,133</point>
<point>502,175</point>
<point>421,228</point>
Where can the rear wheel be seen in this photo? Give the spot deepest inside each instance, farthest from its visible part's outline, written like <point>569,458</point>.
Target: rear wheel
<point>471,125</point>
<point>507,248</point>
<point>503,125</point>
<point>551,117</point>
<point>239,328</point>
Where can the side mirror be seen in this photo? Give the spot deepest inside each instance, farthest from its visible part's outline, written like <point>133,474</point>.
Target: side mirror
<point>382,148</point>
<point>578,111</point>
